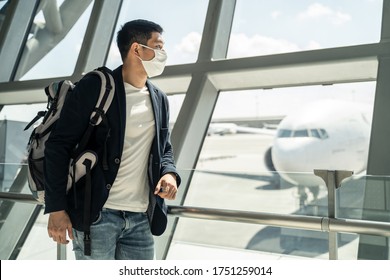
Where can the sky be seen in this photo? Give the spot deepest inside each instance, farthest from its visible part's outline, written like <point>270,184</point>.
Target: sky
<point>260,27</point>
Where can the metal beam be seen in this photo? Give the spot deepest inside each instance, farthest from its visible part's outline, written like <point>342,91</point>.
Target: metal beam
<point>377,192</point>
<point>358,63</point>
<point>95,47</point>
<point>13,35</point>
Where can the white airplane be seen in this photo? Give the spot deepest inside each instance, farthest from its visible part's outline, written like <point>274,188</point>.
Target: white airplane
<point>222,128</point>
<point>327,134</point>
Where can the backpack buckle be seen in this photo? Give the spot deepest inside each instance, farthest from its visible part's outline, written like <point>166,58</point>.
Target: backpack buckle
<point>98,114</point>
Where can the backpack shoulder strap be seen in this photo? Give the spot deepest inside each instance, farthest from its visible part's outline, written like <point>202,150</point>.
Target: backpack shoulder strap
<point>107,91</point>
<point>106,96</point>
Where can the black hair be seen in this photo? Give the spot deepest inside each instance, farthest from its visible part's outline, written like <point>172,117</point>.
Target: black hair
<point>139,31</point>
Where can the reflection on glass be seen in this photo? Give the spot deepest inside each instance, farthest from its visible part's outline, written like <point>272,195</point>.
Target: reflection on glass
<point>56,35</point>
<point>282,26</point>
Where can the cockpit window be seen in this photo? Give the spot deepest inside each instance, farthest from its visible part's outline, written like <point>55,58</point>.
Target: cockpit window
<point>315,133</point>
<point>284,133</point>
<point>319,133</point>
<point>323,133</point>
<point>301,133</point>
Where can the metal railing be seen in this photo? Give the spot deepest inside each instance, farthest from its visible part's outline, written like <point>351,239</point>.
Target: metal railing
<point>330,224</point>
<point>324,224</point>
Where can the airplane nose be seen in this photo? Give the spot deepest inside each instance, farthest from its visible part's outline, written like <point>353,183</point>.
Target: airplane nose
<point>292,163</point>
<point>288,156</point>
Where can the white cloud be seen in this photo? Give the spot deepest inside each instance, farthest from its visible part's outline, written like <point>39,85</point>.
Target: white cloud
<point>320,11</point>
<point>189,44</point>
<point>114,57</point>
<point>276,14</point>
<point>340,18</point>
<point>313,45</point>
<point>186,51</point>
<point>315,10</point>
<point>242,46</point>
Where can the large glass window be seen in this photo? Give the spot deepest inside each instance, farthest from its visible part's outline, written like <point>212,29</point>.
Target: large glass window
<point>55,39</point>
<point>264,27</point>
<point>182,22</point>
<point>14,139</point>
<point>249,169</point>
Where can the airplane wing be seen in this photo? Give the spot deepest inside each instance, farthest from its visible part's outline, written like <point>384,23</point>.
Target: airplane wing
<point>232,128</point>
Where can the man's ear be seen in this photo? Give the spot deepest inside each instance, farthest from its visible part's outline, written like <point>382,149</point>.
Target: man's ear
<point>134,48</point>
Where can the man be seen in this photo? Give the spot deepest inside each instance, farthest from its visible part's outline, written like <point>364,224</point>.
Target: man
<point>128,192</point>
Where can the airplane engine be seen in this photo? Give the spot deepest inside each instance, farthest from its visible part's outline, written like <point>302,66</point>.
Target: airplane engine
<point>268,159</point>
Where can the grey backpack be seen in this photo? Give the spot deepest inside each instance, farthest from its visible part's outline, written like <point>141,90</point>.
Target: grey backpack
<point>82,161</point>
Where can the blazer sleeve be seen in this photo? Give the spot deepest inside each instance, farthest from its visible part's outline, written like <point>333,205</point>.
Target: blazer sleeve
<point>167,159</point>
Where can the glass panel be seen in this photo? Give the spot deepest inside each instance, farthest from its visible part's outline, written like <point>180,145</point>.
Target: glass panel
<point>13,142</point>
<point>340,115</point>
<point>22,113</point>
<point>175,103</point>
<point>259,172</point>
<point>213,239</point>
<point>182,30</point>
<point>281,26</point>
<point>366,198</point>
<point>14,139</point>
<point>13,178</point>
<point>3,11</point>
<point>15,217</point>
<point>53,38</point>
<point>39,246</point>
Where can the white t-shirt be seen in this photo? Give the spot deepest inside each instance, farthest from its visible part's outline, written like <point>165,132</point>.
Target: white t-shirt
<point>130,191</point>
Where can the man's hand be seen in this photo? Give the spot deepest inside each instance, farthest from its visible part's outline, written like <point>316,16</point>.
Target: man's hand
<point>167,187</point>
<point>59,223</point>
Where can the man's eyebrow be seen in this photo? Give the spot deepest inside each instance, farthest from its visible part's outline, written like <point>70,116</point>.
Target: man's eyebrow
<point>159,44</point>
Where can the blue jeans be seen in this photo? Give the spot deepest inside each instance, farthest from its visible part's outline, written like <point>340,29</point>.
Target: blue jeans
<point>117,235</point>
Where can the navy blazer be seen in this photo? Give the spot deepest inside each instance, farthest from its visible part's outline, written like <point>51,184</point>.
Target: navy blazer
<point>68,131</point>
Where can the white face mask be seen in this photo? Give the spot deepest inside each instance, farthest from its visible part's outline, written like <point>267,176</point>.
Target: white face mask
<point>156,65</point>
